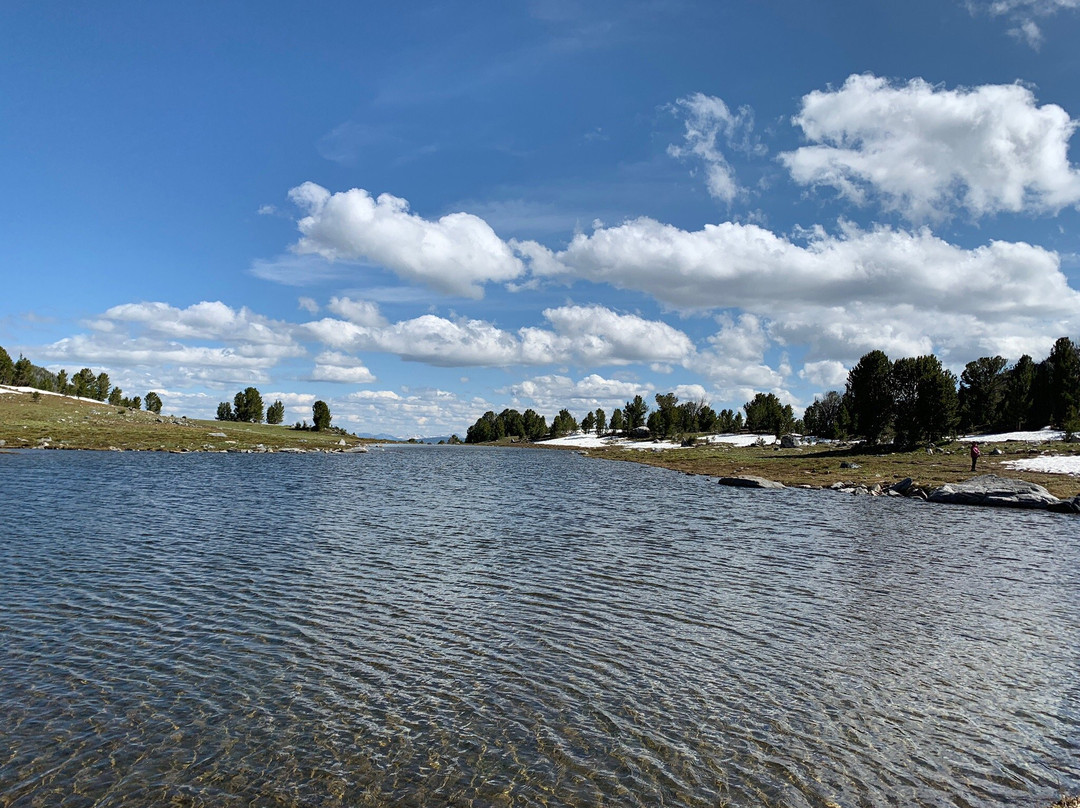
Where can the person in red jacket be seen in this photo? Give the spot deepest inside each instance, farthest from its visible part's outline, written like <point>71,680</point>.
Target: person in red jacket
<point>974,455</point>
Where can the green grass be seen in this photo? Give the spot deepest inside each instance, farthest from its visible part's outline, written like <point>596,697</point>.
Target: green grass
<point>66,423</point>
<point>819,466</point>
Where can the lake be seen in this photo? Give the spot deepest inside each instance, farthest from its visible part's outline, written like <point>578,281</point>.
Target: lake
<point>466,626</point>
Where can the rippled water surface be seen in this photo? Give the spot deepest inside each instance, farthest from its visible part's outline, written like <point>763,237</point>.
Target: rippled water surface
<point>443,626</point>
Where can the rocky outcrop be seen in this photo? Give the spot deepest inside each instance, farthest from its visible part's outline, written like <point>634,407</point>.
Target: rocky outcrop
<point>790,442</point>
<point>1065,505</point>
<point>750,482</point>
<point>989,489</point>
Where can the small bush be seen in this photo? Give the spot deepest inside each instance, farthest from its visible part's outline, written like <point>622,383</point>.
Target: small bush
<point>1071,426</point>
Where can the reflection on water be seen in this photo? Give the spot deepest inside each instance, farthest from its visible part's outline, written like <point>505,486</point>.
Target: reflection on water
<point>510,627</point>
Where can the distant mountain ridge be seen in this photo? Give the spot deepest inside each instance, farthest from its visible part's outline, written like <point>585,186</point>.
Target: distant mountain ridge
<point>417,438</point>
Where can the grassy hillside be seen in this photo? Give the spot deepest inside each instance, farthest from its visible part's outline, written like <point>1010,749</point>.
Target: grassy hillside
<point>51,421</point>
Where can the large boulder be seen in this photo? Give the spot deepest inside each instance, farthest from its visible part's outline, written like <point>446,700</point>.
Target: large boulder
<point>750,482</point>
<point>989,489</point>
<point>903,487</point>
<point>790,442</point>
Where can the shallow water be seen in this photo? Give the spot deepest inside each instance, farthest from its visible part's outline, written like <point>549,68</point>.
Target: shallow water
<point>461,626</point>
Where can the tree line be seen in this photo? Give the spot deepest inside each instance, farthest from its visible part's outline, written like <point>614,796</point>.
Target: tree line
<point>84,384</point>
<point>669,419</point>
<point>907,402</point>
<point>247,406</point>
<point>915,400</point>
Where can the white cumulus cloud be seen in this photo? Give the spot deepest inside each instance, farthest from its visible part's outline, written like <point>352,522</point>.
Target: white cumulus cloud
<point>360,312</point>
<point>596,335</point>
<point>925,150</point>
<point>208,320</point>
<point>583,335</point>
<point>550,393</point>
<point>858,289</point>
<point>828,374</point>
<point>734,360</point>
<point>456,254</point>
<point>423,412</point>
<point>332,366</point>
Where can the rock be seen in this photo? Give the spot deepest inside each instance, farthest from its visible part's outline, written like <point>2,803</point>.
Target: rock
<point>903,487</point>
<point>341,442</point>
<point>997,452</point>
<point>1065,505</point>
<point>989,489</point>
<point>640,432</point>
<point>362,450</point>
<point>790,442</point>
<point>216,435</point>
<point>750,482</point>
<point>847,464</point>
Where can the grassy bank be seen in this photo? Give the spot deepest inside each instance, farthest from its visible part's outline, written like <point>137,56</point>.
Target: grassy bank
<point>59,422</point>
<point>821,465</point>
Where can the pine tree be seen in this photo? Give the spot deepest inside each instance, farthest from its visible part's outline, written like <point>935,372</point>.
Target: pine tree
<point>275,413</point>
<point>320,414</point>
<point>7,368</point>
<point>869,396</point>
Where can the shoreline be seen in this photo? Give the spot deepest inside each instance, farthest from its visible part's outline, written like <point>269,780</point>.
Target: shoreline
<point>60,422</point>
<point>852,469</point>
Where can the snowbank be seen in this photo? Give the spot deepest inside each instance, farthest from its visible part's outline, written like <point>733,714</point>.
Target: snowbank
<point>580,440</point>
<point>1052,465</point>
<point>1043,435</point>
<point>8,388</point>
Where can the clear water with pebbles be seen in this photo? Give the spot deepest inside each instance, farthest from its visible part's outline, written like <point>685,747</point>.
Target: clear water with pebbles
<point>443,626</point>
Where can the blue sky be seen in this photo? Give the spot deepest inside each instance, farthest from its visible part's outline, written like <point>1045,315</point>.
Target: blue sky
<point>421,212</point>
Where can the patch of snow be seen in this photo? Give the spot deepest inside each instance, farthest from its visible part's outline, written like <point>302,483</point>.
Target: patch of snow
<point>580,440</point>
<point>650,445</point>
<point>1041,436</point>
<point>736,439</point>
<point>1062,464</point>
<point>13,389</point>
